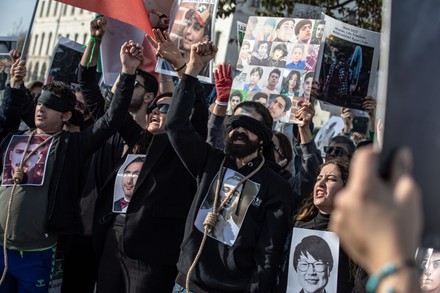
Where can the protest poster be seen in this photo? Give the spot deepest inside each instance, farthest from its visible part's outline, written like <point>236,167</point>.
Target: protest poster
<point>7,44</point>
<point>193,22</point>
<point>277,59</point>
<point>428,260</point>
<point>65,59</point>
<point>409,44</point>
<point>241,29</point>
<point>347,65</point>
<point>125,182</point>
<point>313,251</point>
<point>116,34</point>
<point>330,129</point>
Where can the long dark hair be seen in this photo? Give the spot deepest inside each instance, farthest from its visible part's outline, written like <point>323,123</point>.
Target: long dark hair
<point>309,209</point>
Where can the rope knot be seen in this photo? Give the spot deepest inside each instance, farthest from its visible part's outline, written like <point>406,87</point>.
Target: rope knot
<point>18,175</point>
<point>210,221</point>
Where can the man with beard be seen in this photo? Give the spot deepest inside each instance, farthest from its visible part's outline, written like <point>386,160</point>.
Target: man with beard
<point>249,259</point>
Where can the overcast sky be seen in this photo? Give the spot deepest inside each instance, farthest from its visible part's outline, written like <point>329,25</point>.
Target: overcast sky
<point>12,11</point>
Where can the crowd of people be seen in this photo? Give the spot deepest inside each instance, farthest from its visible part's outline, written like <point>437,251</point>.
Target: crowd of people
<point>160,192</point>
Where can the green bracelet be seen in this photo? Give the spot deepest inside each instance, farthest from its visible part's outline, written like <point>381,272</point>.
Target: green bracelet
<point>92,40</point>
<point>388,269</point>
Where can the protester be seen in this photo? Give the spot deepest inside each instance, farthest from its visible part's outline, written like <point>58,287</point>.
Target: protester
<point>340,147</point>
<point>261,217</point>
<point>54,205</point>
<point>315,214</point>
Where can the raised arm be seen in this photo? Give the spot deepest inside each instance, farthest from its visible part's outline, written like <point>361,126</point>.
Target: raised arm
<point>131,55</point>
<point>87,70</point>
<point>380,223</point>
<point>190,146</point>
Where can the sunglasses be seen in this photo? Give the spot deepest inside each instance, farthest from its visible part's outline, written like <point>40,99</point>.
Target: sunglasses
<point>136,83</point>
<point>278,150</point>
<point>337,151</point>
<point>163,108</point>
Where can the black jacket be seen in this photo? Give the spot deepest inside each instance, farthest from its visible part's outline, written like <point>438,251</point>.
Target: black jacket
<point>250,264</point>
<point>73,149</point>
<point>155,217</point>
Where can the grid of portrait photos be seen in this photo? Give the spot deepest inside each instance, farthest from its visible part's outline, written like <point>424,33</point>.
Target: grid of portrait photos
<point>277,58</point>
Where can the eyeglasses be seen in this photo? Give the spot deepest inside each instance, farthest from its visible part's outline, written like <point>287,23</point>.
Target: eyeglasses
<point>318,267</point>
<point>337,151</point>
<point>163,108</point>
<point>137,82</point>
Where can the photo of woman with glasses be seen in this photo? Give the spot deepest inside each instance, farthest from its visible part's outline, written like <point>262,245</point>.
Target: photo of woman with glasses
<point>314,217</point>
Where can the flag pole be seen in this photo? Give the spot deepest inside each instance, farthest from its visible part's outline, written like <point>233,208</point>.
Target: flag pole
<point>28,34</point>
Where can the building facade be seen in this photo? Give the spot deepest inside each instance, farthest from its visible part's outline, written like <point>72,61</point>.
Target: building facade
<point>54,19</point>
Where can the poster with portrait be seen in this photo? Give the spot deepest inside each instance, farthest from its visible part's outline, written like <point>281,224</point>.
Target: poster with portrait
<point>193,23</point>
<point>347,64</point>
<point>125,182</point>
<point>65,59</point>
<point>428,260</point>
<point>278,57</point>
<point>330,129</point>
<point>35,159</point>
<point>7,44</point>
<point>231,217</point>
<point>241,29</point>
<point>313,261</point>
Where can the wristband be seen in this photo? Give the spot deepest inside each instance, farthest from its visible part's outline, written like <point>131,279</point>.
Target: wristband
<point>180,68</point>
<point>92,40</point>
<point>220,103</point>
<point>387,270</point>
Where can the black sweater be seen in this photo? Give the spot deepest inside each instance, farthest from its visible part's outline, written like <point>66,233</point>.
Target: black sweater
<point>250,264</point>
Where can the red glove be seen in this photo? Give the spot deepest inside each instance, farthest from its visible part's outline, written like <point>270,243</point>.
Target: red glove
<point>223,84</point>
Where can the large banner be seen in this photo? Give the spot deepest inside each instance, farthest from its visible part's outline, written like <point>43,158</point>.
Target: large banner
<point>193,23</point>
<point>410,43</point>
<point>347,64</point>
<point>277,62</point>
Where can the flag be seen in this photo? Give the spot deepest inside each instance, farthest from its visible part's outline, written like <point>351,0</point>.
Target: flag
<point>129,11</point>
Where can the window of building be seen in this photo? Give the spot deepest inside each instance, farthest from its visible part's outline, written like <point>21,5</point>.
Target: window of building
<point>35,72</point>
<point>42,8</point>
<point>55,10</point>
<point>35,44</point>
<point>49,45</point>
<point>73,10</point>
<point>43,71</point>
<point>76,38</point>
<point>41,44</point>
<point>84,38</point>
<point>65,10</point>
<point>48,8</point>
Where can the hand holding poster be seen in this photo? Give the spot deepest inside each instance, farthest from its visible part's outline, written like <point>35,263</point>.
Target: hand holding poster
<point>193,23</point>
<point>347,64</point>
<point>64,65</point>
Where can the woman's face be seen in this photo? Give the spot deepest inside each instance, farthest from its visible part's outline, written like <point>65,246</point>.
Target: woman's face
<point>293,80</point>
<point>328,183</point>
<point>430,279</point>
